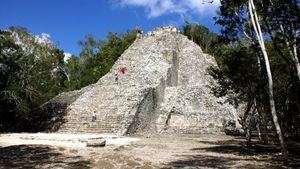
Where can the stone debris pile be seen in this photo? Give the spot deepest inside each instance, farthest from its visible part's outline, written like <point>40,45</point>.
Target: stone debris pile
<point>165,89</point>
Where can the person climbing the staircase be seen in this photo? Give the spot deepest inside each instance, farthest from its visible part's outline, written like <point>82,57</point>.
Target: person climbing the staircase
<point>116,75</point>
<point>94,117</point>
<point>122,69</point>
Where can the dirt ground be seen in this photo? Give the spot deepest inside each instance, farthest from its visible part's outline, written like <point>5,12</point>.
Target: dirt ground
<point>167,151</point>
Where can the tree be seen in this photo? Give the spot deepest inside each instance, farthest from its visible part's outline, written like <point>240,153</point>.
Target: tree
<point>29,77</point>
<point>98,56</point>
<point>32,71</point>
<point>240,19</point>
<point>257,29</point>
<point>280,21</point>
<point>200,34</point>
<point>239,79</point>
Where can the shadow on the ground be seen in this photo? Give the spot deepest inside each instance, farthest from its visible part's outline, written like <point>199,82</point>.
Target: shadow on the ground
<point>229,152</point>
<point>206,161</point>
<point>242,150</point>
<point>191,161</point>
<point>38,156</point>
<point>238,146</point>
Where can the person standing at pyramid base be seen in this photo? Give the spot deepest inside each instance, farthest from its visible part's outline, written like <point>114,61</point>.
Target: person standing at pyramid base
<point>94,118</point>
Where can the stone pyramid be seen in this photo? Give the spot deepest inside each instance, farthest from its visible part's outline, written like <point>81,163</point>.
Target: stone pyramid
<point>165,89</point>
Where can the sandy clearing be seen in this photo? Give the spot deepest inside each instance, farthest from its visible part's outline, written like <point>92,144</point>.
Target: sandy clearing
<point>53,151</point>
<point>60,139</point>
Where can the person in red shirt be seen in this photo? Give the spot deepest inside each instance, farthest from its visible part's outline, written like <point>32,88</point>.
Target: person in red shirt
<point>122,69</point>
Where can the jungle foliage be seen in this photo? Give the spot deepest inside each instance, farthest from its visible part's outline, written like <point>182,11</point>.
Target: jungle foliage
<point>33,71</point>
<point>241,72</point>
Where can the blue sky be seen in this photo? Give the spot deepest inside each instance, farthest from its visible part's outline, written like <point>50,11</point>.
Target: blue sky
<point>68,21</point>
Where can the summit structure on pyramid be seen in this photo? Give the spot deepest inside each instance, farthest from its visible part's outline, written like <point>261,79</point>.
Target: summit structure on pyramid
<point>165,89</point>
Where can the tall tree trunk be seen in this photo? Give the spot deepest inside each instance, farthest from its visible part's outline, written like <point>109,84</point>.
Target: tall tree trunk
<point>249,135</point>
<point>296,60</point>
<point>257,29</point>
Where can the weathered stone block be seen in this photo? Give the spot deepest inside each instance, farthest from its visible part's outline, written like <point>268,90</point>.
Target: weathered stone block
<point>96,143</point>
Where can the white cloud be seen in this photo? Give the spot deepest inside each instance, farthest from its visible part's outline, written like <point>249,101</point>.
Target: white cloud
<point>203,7</point>
<point>67,56</point>
<point>156,8</point>
<point>43,38</point>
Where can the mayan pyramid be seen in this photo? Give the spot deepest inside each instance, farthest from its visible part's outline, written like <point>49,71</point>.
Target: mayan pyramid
<point>165,89</point>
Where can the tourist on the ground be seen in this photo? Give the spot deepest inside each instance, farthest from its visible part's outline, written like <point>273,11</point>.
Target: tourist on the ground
<point>94,117</point>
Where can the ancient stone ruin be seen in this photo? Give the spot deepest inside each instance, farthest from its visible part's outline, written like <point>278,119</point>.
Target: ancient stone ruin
<point>165,89</point>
